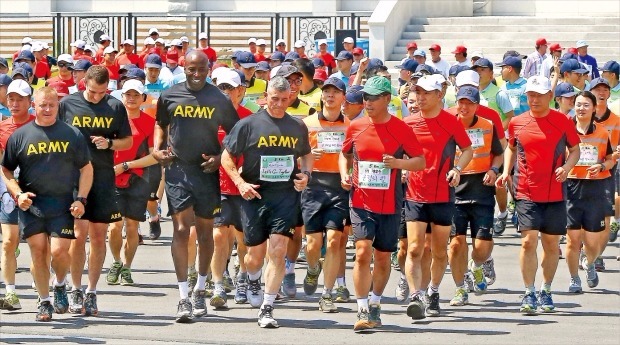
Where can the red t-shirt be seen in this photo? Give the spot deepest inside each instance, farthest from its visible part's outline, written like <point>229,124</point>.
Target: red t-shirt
<point>69,82</point>
<point>489,114</point>
<point>540,148</point>
<point>227,186</point>
<point>42,70</point>
<point>142,129</point>
<point>210,53</point>
<point>368,142</point>
<point>8,127</point>
<point>113,71</point>
<point>328,59</point>
<point>83,57</point>
<point>438,137</point>
<point>127,59</point>
<point>260,57</point>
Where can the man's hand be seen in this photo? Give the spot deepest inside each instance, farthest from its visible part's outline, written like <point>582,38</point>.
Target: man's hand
<point>100,142</point>
<point>77,209</point>
<point>561,174</point>
<point>489,178</point>
<point>390,161</point>
<point>211,163</point>
<point>300,182</point>
<point>317,153</point>
<point>363,64</point>
<point>345,182</point>
<point>502,181</point>
<point>24,200</point>
<point>164,157</point>
<point>453,177</point>
<point>248,191</point>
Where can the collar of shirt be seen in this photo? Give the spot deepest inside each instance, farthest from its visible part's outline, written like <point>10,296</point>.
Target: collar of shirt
<point>519,82</point>
<point>616,88</point>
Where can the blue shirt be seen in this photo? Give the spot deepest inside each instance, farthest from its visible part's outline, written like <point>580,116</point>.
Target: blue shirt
<point>4,111</point>
<point>591,62</point>
<point>341,76</point>
<point>516,95</point>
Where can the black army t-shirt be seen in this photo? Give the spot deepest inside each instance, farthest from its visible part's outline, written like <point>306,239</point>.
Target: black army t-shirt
<point>108,119</point>
<point>49,157</point>
<point>270,148</point>
<point>194,118</point>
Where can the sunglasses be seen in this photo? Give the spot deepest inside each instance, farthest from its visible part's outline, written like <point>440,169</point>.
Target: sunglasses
<point>372,98</point>
<point>61,65</point>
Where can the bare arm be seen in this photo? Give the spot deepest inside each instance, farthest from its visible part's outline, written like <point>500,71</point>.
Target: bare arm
<point>160,136</point>
<point>508,116</point>
<point>247,190</point>
<point>345,162</point>
<point>301,182</point>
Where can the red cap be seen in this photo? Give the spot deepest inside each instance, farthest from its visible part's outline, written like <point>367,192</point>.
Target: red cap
<point>320,74</point>
<point>358,51</point>
<point>555,47</point>
<point>573,50</point>
<point>459,50</point>
<point>412,45</point>
<point>435,47</point>
<point>172,56</point>
<point>541,42</point>
<point>61,88</point>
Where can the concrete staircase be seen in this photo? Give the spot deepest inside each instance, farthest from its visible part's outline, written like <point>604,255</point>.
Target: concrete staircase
<point>495,35</point>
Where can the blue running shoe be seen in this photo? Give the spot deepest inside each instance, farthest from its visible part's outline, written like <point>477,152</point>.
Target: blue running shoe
<point>528,304</point>
<point>546,302</point>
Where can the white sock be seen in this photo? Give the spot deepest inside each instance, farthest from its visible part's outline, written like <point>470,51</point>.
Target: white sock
<point>268,299</point>
<point>403,276</point>
<point>46,299</point>
<point>202,282</point>
<point>254,276</point>
<point>56,283</point>
<point>191,269</point>
<point>290,267</point>
<point>91,291</point>
<point>183,290</point>
<point>362,303</point>
<point>503,214</point>
<point>341,282</point>
<point>432,289</point>
<point>76,287</point>
<point>374,299</point>
<point>327,292</point>
<point>10,288</point>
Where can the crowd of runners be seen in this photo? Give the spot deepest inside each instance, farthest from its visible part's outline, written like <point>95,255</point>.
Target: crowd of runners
<point>279,156</point>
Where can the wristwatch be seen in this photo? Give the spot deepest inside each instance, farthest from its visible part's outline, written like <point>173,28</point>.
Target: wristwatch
<point>308,174</point>
<point>82,200</point>
<point>109,143</point>
<point>458,168</point>
<point>125,166</point>
<point>495,170</point>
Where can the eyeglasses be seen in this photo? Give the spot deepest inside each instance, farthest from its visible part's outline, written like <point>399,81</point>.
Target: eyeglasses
<point>294,81</point>
<point>372,98</point>
<point>62,65</point>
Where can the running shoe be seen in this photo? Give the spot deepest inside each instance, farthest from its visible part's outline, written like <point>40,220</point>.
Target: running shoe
<point>592,276</point>
<point>311,281</point>
<point>613,231</point>
<point>236,268</point>
<point>489,271</point>
<point>469,281</point>
<point>302,252</point>
<point>192,280</point>
<point>583,260</point>
<point>326,304</point>
<point>126,279</point>
<point>90,305</point>
<point>363,321</point>
<point>402,289</point>
<point>265,317</point>
<point>184,311</point>
<point>10,301</point>
<point>342,295</point>
<point>241,292</point>
<point>560,252</point>
<point>460,298</point>
<point>499,226</point>
<point>140,239</point>
<point>575,285</point>
<point>199,304</point>
<point>154,229</point>
<point>416,307</point>
<point>209,287</point>
<point>288,285</point>
<point>545,302</point>
<point>228,282</point>
<point>350,243</point>
<point>563,239</point>
<point>45,312</point>
<point>61,301</point>
<point>77,301</point>
<point>394,260</point>
<point>599,264</point>
<point>255,295</point>
<point>114,273</point>
<point>374,315</point>
<point>218,301</point>
<point>529,304</point>
<point>433,309</point>
<point>480,284</point>
<point>514,219</point>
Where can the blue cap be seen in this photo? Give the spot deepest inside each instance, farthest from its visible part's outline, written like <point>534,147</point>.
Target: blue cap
<point>599,81</point>
<point>80,65</point>
<point>127,67</point>
<point>135,73</point>
<point>277,55</point>
<point>318,62</point>
<point>3,62</point>
<point>287,70</point>
<point>468,92</point>
<point>482,62</point>
<point>153,61</point>
<point>409,65</point>
<point>291,56</point>
<point>456,69</point>
<point>419,52</point>
<point>20,71</point>
<point>355,95</point>
<point>611,66</point>
<point>25,66</point>
<point>512,61</point>
<point>374,62</point>
<point>246,60</point>
<point>572,65</point>
<point>514,53</point>
<point>344,55</point>
<point>5,79</point>
<point>262,66</point>
<point>235,55</point>
<point>425,68</point>
<point>335,82</point>
<point>567,56</point>
<point>564,90</point>
<point>354,69</point>
<point>25,55</point>
<point>242,76</point>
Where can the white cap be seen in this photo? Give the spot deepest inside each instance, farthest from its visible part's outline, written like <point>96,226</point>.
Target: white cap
<point>110,49</point>
<point>149,41</point>
<point>229,77</point>
<point>153,31</point>
<point>203,36</point>
<point>133,84</point>
<point>45,45</point>
<point>274,71</point>
<point>80,44</point>
<point>279,40</point>
<point>36,46</point>
<point>27,47</point>
<point>299,44</point>
<point>105,38</point>
<point>252,40</point>
<point>581,43</point>
<point>160,40</point>
<point>440,78</point>
<point>26,40</point>
<point>65,57</point>
<point>129,41</point>
<point>20,87</point>
<point>429,83</point>
<point>348,40</point>
<point>184,39</point>
<point>216,73</point>
<point>260,42</point>
<point>538,84</point>
<point>467,77</point>
<point>175,42</point>
<point>477,54</point>
<point>88,47</point>
<point>322,41</point>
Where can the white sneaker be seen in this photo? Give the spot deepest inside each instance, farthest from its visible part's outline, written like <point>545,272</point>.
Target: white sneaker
<point>255,293</point>
<point>265,317</point>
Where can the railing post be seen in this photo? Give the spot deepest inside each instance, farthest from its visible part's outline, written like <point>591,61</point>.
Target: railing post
<point>277,33</point>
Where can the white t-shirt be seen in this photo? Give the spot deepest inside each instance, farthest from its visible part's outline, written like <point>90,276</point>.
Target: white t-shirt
<point>442,66</point>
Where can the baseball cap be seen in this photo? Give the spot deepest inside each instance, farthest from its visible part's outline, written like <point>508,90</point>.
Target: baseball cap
<point>20,71</point>
<point>3,62</point>
<point>228,76</point>
<point>611,66</point>
<point>344,55</point>
<point>251,40</point>
<point>335,82</point>
<point>153,31</point>
<point>322,41</point>
<point>127,67</point>
<point>514,53</point>
<point>320,74</point>
<point>456,69</point>
<point>133,84</point>
<point>260,42</point>
<point>482,62</point>
<point>135,73</point>
<point>241,77</point>
<point>61,88</point>
<point>104,37</point>
<point>564,90</point>
<point>435,47</point>
<point>459,50</point>
<point>217,71</point>
<point>160,41</point>
<point>538,84</point>
<point>65,58</point>
<point>467,77</point>
<point>541,42</point>
<point>202,36</point>
<point>176,42</point>
<point>20,87</point>
<point>172,56</point>
<point>567,56</point>
<point>246,60</point>
<point>291,56</point>
<point>425,68</point>
<point>468,92</point>
<point>262,66</point>
<point>512,61</point>
<point>599,81</point>
<point>128,41</point>
<point>109,50</point>
<point>36,46</point>
<point>374,62</point>
<point>26,40</point>
<point>5,79</point>
<point>28,47</point>
<point>412,45</point>
<point>153,61</point>
<point>555,47</point>
<point>89,48</point>
<point>377,85</point>
<point>348,40</point>
<point>286,71</point>
<point>280,41</point>
<point>80,44</point>
<point>429,83</point>
<point>80,65</point>
<point>318,62</point>
<point>358,51</point>
<point>572,65</point>
<point>277,55</point>
<point>354,69</point>
<point>184,39</point>
<point>477,54</point>
<point>409,65</point>
<point>355,95</point>
<point>299,44</point>
<point>581,43</point>
<point>419,52</point>
<point>25,55</point>
<point>573,50</point>
<point>149,41</point>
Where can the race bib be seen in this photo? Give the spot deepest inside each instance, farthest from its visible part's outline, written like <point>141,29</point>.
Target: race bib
<point>588,155</point>
<point>515,101</point>
<point>330,142</point>
<point>154,90</point>
<point>476,136</point>
<point>276,168</point>
<point>373,175</point>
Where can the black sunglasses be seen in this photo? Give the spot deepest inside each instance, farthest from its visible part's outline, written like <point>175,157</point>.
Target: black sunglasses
<point>372,98</point>
<point>64,64</point>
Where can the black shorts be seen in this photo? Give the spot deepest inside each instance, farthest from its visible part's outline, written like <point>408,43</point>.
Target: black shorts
<point>102,206</point>
<point>546,217</point>
<point>155,173</point>
<point>436,213</point>
<point>615,172</point>
<point>48,215</point>
<point>230,212</point>
<point>133,199</point>
<point>275,213</point>
<point>479,218</point>
<point>587,214</point>
<point>188,186</point>
<point>8,203</point>
<point>610,196</point>
<point>381,229</point>
<point>324,209</point>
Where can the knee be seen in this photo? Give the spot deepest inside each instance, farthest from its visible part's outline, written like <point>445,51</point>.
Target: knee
<point>457,244</point>
<point>9,244</point>
<point>59,252</point>
<point>219,237</point>
<point>529,243</point>
<point>381,259</point>
<point>415,251</point>
<point>333,244</point>
<point>363,252</point>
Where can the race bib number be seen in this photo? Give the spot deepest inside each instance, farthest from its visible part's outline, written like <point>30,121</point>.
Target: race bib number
<point>276,168</point>
<point>588,155</point>
<point>476,136</point>
<point>373,175</point>
<point>330,142</point>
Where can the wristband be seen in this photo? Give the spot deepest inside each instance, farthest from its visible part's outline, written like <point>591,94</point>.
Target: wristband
<point>109,143</point>
<point>458,168</point>
<point>495,170</point>
<point>82,200</point>
<point>308,174</point>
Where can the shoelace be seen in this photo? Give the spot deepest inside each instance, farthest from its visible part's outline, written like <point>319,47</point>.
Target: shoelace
<point>254,288</point>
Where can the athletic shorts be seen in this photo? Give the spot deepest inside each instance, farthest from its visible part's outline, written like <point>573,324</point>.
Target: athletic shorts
<point>615,172</point>
<point>587,214</point>
<point>8,203</point>
<point>48,215</point>
<point>274,213</point>
<point>102,206</point>
<point>479,218</point>
<point>610,196</point>
<point>155,173</point>
<point>436,213</point>
<point>133,199</point>
<point>324,209</point>
<point>381,229</point>
<point>546,217</point>
<point>188,186</point>
<point>230,212</point>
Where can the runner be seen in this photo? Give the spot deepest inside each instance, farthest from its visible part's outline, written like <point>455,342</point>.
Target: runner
<point>323,54</point>
<point>515,85</point>
<point>65,62</point>
<point>611,72</point>
<point>534,61</point>
<point>564,95</point>
<point>437,62</point>
<point>309,92</point>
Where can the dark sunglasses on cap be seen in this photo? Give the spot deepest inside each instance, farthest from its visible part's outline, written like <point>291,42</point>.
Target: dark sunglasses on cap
<point>372,98</point>
<point>66,64</point>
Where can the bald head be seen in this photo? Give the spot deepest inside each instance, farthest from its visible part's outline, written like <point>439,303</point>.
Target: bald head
<point>198,56</point>
<point>196,69</point>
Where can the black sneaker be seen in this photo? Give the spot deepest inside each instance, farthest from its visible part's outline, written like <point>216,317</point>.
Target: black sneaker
<point>374,315</point>
<point>154,229</point>
<point>77,302</point>
<point>45,312</point>
<point>199,303</point>
<point>432,309</point>
<point>184,311</point>
<point>415,309</point>
<point>90,305</point>
<point>61,301</point>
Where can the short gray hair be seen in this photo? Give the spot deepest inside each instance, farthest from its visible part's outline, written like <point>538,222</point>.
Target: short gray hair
<point>279,84</point>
